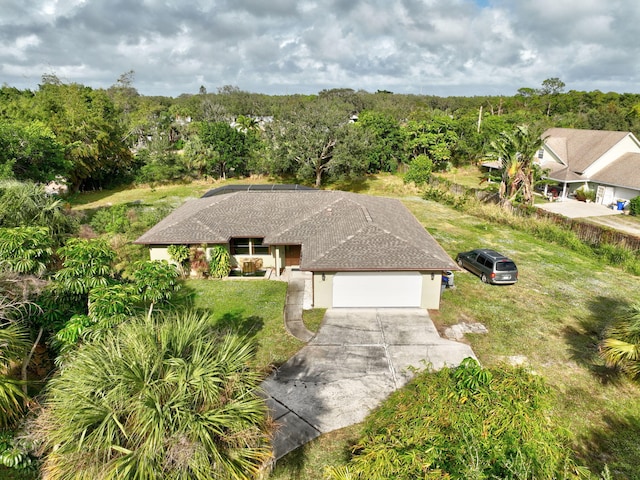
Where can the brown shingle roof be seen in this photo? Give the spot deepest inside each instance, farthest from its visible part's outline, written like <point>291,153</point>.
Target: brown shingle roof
<point>337,230</point>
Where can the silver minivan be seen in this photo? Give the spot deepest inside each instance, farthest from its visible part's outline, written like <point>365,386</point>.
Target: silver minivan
<point>489,265</point>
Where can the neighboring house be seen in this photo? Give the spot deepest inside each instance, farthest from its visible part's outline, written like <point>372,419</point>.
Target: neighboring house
<point>363,251</point>
<point>607,162</point>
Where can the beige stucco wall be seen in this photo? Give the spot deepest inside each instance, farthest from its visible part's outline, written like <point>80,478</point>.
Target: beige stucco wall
<point>431,290</point>
<point>323,290</point>
<point>159,253</point>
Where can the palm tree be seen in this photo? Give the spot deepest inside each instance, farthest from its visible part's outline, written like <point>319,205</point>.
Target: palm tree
<point>14,344</point>
<point>516,150</point>
<point>621,346</point>
<point>156,398</point>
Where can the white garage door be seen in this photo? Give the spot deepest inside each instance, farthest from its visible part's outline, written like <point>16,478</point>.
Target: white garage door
<point>377,289</point>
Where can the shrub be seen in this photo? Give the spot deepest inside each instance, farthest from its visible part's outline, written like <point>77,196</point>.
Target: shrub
<point>116,219</point>
<point>220,262</point>
<point>198,260</point>
<point>179,253</point>
<point>634,206</point>
<point>15,453</point>
<point>467,422</point>
<point>419,171</point>
<point>584,193</point>
<point>622,342</point>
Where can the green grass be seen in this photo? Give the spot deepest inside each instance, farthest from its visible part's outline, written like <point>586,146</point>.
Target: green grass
<point>253,308</point>
<point>470,176</point>
<point>313,318</point>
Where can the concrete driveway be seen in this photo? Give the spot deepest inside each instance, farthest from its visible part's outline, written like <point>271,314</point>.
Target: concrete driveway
<point>574,209</point>
<point>357,358</point>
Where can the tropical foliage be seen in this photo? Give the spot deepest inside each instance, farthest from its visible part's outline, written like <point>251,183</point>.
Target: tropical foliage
<point>25,250</point>
<point>28,205</point>
<point>621,345</point>
<point>156,398</point>
<point>515,151</point>
<point>467,422</point>
<point>219,262</point>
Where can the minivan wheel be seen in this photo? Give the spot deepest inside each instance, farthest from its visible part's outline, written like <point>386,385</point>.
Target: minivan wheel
<point>483,278</point>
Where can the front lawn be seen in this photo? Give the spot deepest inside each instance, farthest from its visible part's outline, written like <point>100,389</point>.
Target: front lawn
<point>250,307</point>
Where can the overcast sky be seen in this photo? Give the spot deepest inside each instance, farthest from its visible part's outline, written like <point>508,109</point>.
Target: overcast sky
<point>435,47</point>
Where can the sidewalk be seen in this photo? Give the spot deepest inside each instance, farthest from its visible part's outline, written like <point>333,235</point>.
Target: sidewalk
<point>298,298</point>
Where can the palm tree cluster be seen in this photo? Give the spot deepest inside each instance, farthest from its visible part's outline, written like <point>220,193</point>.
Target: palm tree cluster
<point>157,398</point>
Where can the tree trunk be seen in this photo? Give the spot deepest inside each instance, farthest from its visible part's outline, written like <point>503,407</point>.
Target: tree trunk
<point>318,177</point>
<point>27,360</point>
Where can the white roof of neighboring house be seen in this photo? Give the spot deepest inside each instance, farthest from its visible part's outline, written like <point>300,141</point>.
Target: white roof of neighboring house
<point>574,151</point>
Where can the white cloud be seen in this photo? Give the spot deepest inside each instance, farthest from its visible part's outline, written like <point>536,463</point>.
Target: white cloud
<point>421,46</point>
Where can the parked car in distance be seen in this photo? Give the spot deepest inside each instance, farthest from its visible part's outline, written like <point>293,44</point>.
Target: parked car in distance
<point>489,265</point>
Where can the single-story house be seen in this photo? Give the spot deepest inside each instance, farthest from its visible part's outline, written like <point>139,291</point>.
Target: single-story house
<point>363,251</point>
<point>605,161</point>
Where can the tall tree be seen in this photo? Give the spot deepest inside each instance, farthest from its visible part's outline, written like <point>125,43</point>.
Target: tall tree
<point>156,398</point>
<point>516,152</point>
<point>433,138</point>
<point>30,151</point>
<point>303,143</point>
<point>86,122</point>
<point>387,141</point>
<point>229,146</point>
<point>550,89</point>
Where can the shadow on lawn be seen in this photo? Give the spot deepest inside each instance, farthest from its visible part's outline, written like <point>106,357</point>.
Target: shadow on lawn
<point>614,444</point>
<point>584,341</point>
<point>237,323</point>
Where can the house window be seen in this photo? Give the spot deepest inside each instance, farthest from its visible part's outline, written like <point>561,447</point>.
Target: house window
<point>248,246</point>
<point>540,153</point>
<point>258,247</point>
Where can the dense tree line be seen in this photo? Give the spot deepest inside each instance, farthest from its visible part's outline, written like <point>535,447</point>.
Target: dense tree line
<point>96,138</point>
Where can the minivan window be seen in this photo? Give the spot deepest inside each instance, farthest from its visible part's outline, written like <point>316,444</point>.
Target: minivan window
<point>505,266</point>
<point>488,263</point>
<point>481,259</point>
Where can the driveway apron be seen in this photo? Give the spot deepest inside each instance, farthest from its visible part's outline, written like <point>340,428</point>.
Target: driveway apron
<point>357,358</point>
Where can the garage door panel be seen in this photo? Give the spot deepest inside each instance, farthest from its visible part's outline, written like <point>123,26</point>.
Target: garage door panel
<point>377,289</point>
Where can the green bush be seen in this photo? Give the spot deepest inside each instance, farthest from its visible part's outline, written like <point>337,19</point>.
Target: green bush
<point>614,255</point>
<point>179,253</point>
<point>634,206</point>
<point>14,452</point>
<point>467,422</point>
<point>220,262</point>
<point>419,171</point>
<point>116,219</point>
<point>583,194</point>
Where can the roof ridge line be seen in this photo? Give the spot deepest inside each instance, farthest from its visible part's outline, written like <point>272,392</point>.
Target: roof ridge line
<point>312,214</point>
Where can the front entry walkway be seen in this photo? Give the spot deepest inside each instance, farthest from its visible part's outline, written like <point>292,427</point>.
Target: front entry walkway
<point>357,358</point>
